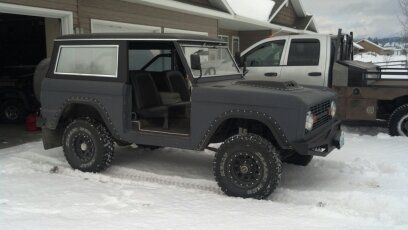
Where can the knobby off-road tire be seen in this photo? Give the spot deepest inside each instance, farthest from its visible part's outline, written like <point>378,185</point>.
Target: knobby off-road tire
<point>88,145</point>
<point>398,122</point>
<point>297,159</point>
<point>247,166</point>
<point>39,74</point>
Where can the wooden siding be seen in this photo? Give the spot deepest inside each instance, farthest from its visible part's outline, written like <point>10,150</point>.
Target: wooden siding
<point>286,16</point>
<point>248,38</point>
<point>120,11</point>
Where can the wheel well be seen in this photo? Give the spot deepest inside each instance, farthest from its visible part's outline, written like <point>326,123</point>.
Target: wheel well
<point>74,111</point>
<point>231,127</point>
<point>387,107</point>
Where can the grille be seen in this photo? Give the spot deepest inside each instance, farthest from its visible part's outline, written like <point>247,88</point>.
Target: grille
<point>321,113</point>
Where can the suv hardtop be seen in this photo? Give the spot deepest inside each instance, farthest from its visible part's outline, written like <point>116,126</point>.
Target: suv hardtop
<point>181,91</point>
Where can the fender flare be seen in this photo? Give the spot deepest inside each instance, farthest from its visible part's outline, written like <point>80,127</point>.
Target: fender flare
<point>53,122</point>
<point>264,118</point>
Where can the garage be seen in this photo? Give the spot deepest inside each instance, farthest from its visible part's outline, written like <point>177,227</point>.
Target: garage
<point>26,38</point>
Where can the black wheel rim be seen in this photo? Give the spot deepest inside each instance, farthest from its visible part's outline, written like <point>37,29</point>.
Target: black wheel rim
<point>403,126</point>
<point>245,169</point>
<point>11,113</point>
<point>83,147</point>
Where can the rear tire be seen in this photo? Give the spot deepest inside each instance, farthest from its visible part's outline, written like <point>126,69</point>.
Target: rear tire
<point>88,146</point>
<point>398,123</point>
<point>12,111</point>
<point>247,166</point>
<point>297,159</point>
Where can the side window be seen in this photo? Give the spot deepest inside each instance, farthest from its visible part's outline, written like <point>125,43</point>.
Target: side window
<point>150,60</point>
<point>304,52</point>
<point>268,54</point>
<point>89,60</point>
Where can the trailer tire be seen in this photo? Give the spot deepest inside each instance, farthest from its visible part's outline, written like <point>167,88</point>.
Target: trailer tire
<point>398,122</point>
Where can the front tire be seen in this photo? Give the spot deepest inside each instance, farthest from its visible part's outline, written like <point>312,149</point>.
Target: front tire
<point>247,166</point>
<point>88,146</point>
<point>398,123</point>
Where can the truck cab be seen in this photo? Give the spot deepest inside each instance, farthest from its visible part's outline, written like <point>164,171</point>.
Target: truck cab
<point>301,58</point>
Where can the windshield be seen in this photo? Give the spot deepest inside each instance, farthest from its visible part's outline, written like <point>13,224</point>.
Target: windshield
<point>215,61</point>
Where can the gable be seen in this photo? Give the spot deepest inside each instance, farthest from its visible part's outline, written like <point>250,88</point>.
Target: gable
<point>286,16</point>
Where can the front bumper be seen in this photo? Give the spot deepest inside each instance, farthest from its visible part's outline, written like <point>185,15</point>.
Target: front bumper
<point>322,142</point>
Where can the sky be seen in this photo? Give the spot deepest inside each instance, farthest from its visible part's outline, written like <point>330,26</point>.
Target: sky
<point>375,18</point>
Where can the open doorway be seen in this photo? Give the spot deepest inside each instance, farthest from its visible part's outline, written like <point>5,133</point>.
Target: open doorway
<point>161,93</point>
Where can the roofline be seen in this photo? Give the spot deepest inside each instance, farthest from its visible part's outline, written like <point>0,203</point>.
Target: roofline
<point>278,10</point>
<point>201,11</point>
<point>372,43</point>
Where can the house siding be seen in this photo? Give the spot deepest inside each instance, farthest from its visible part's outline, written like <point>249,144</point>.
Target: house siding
<point>286,16</point>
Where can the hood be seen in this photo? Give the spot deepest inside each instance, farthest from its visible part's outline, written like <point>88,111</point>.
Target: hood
<point>261,93</point>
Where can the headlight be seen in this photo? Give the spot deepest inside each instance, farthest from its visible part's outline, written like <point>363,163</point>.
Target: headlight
<point>309,121</point>
<point>333,109</point>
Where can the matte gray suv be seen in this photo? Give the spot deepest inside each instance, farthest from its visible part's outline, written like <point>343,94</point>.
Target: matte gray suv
<point>181,91</point>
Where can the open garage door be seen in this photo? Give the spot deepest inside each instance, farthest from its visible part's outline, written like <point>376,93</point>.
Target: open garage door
<point>103,26</point>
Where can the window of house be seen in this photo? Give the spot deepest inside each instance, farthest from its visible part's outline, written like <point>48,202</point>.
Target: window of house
<point>268,54</point>
<point>89,60</point>
<point>304,52</point>
<point>235,45</point>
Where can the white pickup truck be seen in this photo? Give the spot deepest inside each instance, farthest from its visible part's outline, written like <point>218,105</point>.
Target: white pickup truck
<point>366,91</point>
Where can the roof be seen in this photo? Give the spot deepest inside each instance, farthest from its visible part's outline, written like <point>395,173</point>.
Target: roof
<point>255,9</point>
<point>357,46</point>
<point>140,36</point>
<point>371,43</point>
<point>227,17</point>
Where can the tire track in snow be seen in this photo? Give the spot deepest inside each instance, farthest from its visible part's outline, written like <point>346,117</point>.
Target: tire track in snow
<point>118,174</point>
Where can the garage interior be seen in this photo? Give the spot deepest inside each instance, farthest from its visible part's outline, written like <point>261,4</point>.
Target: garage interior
<point>24,42</point>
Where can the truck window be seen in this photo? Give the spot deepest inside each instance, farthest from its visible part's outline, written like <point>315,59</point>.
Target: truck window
<point>268,54</point>
<point>88,60</point>
<point>150,60</point>
<point>304,52</point>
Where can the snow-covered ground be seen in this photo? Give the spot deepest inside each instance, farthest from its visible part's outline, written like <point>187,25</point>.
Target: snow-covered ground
<point>362,186</point>
<point>375,58</point>
<point>395,61</point>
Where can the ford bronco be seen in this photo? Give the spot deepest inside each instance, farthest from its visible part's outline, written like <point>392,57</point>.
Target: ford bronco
<point>181,91</point>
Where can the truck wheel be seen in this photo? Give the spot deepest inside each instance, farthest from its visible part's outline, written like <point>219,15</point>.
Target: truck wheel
<point>39,74</point>
<point>12,111</point>
<point>398,123</point>
<point>297,159</point>
<point>247,166</point>
<point>88,146</point>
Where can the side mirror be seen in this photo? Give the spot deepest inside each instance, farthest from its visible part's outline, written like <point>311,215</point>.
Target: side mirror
<point>195,62</point>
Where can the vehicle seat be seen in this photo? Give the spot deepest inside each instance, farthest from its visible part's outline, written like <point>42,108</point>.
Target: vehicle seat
<point>147,101</point>
<point>162,83</point>
<point>178,84</point>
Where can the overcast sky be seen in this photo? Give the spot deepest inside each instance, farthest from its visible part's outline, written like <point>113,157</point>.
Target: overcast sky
<point>376,18</point>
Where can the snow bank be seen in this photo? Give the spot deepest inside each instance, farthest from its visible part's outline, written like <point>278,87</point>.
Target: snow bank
<point>363,186</point>
<point>255,9</point>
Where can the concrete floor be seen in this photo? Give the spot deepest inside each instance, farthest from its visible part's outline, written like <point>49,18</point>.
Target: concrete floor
<point>12,135</point>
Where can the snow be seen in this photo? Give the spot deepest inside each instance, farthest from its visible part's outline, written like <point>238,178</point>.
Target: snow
<point>374,58</point>
<point>254,9</point>
<point>362,186</point>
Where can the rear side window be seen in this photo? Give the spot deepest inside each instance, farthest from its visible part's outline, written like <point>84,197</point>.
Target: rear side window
<point>268,54</point>
<point>88,60</point>
<point>304,52</point>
